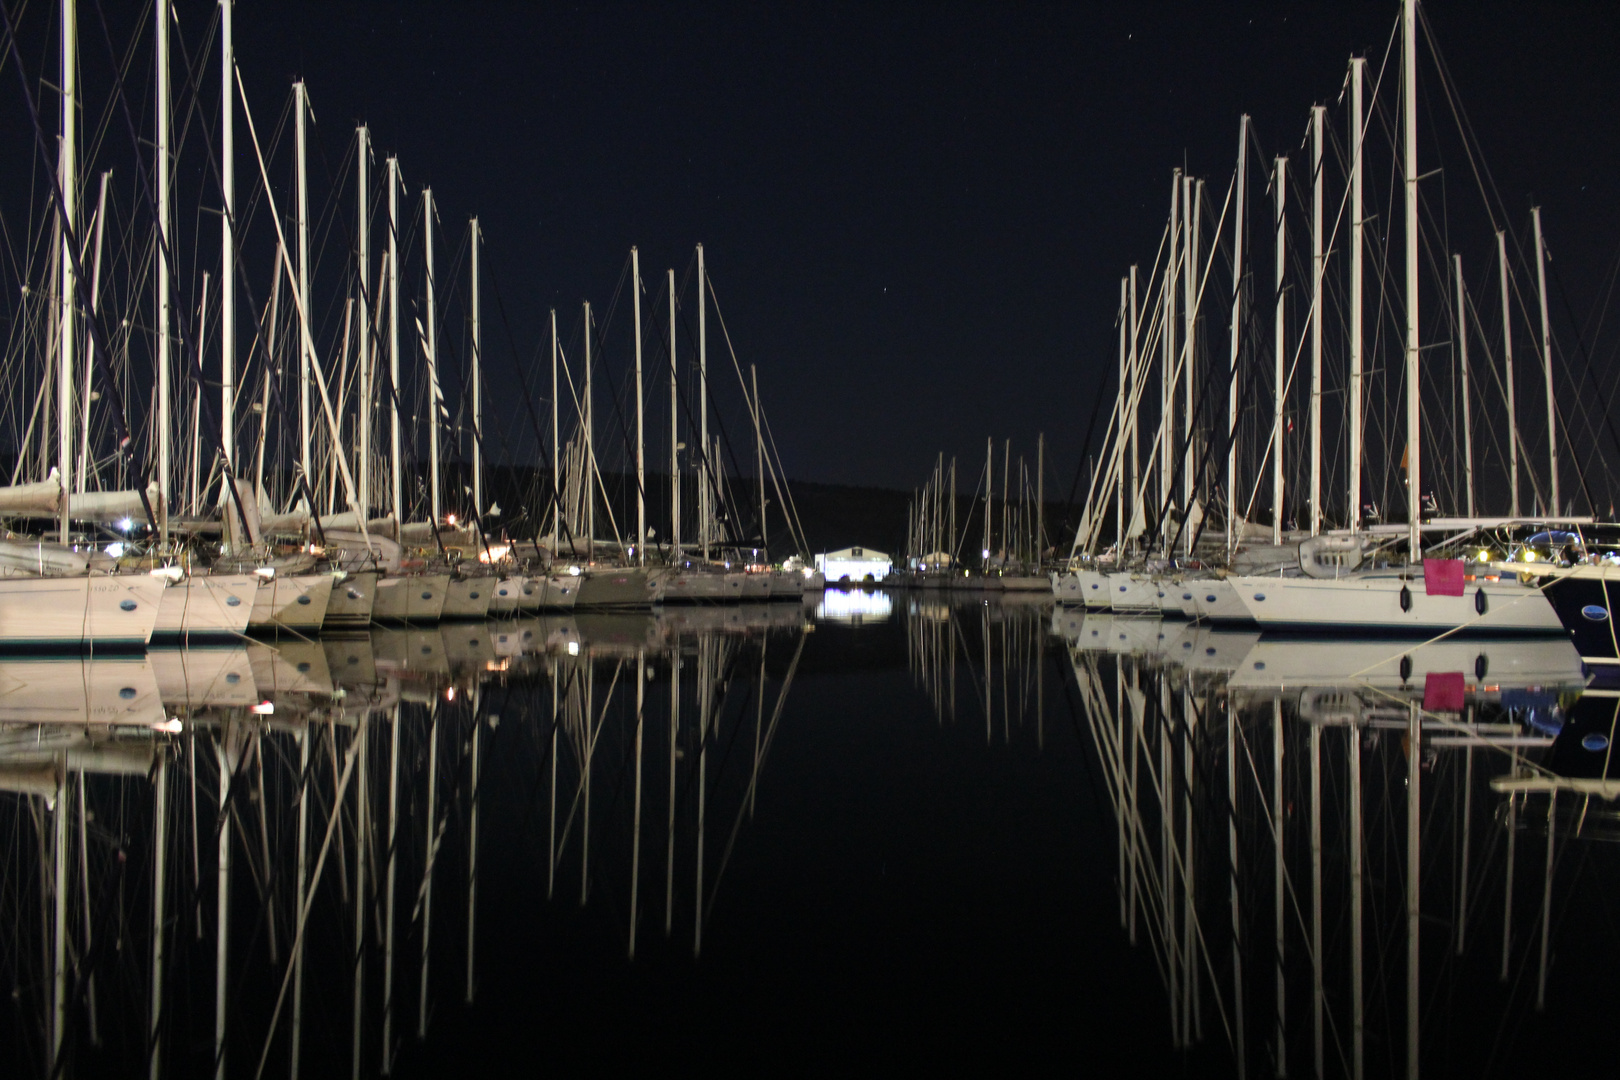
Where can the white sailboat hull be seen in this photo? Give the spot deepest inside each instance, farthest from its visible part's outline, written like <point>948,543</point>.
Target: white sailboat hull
<point>1132,594</point>
<point>417,598</point>
<point>295,602</point>
<point>206,607</point>
<point>468,598</point>
<point>508,593</point>
<point>1216,601</point>
<point>114,611</point>
<point>1372,603</point>
<point>352,599</point>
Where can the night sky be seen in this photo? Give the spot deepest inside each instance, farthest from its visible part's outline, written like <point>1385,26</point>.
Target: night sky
<point>915,216</point>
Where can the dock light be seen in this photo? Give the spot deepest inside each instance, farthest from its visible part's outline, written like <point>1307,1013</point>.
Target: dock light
<point>125,524</point>
<point>449,693</point>
<point>263,708</point>
<point>573,571</point>
<point>1529,556</point>
<point>171,726</point>
<point>985,553</point>
<point>1484,556</point>
<point>449,519</point>
<point>573,648</point>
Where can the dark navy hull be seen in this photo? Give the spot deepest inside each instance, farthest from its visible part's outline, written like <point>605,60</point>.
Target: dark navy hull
<point>1586,604</point>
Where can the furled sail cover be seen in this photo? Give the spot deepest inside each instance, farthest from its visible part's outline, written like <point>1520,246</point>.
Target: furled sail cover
<point>31,500</point>
<point>112,505</point>
<point>42,500</point>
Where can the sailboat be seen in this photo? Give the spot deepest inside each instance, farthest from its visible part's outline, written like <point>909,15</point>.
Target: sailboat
<point>1365,576</point>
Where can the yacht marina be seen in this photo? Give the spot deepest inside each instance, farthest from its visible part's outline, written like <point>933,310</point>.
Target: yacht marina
<point>414,660</point>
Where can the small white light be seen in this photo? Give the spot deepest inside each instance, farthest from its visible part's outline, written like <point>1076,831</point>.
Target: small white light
<point>171,726</point>
<point>263,708</point>
<point>573,648</point>
<point>125,524</point>
<point>573,571</point>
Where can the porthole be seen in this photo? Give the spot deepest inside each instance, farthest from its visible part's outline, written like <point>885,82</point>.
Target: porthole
<point>127,693</point>
<point>1595,613</point>
<point>304,599</point>
<point>233,601</point>
<point>126,605</point>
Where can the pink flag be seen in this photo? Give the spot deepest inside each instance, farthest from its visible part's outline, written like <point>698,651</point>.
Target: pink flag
<point>1443,577</point>
<point>1443,691</point>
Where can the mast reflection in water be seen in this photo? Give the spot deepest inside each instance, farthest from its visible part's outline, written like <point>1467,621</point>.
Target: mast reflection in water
<point>869,833</point>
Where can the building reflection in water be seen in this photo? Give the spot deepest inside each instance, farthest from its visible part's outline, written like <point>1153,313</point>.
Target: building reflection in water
<point>854,606</point>
<point>202,836</point>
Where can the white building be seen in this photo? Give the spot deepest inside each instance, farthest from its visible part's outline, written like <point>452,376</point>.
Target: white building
<point>854,566</point>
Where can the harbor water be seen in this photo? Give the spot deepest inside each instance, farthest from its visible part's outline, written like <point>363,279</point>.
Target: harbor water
<point>872,833</point>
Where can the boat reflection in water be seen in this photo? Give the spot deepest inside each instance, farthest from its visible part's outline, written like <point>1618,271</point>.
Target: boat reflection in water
<point>212,835</point>
<point>1330,846</point>
<point>1340,858</point>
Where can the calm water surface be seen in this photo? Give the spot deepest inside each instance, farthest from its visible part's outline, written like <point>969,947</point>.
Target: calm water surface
<point>870,834</point>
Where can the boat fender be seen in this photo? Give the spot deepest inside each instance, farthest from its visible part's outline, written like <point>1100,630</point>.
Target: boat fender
<point>1406,598</point>
<point>1481,666</point>
<point>1481,604</point>
<point>1406,668</point>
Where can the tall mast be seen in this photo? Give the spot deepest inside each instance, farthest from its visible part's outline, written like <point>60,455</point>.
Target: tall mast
<point>1236,333</point>
<point>1358,69</point>
<point>989,495</point>
<point>1317,267</point>
<point>590,447</point>
<point>1462,367</point>
<point>641,433</point>
<point>674,436</point>
<point>431,349</point>
<point>1414,448</point>
<point>1119,434</point>
<point>1546,362</point>
<point>227,242</point>
<point>1135,402</point>
<point>1008,544</point>
<point>161,49</point>
<point>1190,205</point>
<point>556,460</point>
<point>1167,361</point>
<point>68,171</point>
<point>703,406</point>
<point>1040,497</point>
<point>301,106</point>
<point>759,458</point>
<point>477,380</point>
<point>1507,360</point>
<point>363,199</point>
<point>82,459</point>
<point>396,480</point>
<point>1280,190</point>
